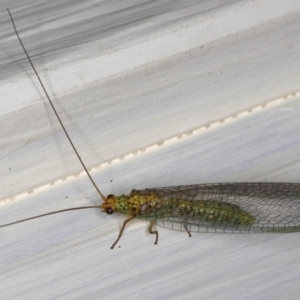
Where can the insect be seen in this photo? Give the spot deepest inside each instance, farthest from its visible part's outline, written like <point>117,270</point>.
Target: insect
<point>215,208</point>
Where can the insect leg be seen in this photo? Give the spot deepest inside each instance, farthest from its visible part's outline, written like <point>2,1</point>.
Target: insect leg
<point>152,223</point>
<point>121,231</point>
<point>188,232</point>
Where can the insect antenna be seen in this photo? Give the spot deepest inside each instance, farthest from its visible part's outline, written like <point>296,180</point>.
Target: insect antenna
<point>48,214</point>
<point>66,133</point>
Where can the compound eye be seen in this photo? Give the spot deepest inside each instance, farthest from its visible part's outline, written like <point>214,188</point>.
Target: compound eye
<point>109,211</point>
<point>109,196</point>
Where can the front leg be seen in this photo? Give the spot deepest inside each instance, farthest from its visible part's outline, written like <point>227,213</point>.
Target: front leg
<point>121,231</point>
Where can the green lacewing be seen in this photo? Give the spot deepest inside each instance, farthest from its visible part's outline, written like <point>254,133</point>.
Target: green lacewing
<point>213,208</point>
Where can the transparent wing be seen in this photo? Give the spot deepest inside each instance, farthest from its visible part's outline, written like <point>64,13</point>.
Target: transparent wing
<point>228,207</point>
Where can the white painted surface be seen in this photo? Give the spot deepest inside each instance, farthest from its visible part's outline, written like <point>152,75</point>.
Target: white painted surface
<point>126,75</point>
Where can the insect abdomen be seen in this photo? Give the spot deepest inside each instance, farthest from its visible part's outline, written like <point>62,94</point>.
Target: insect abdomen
<point>213,212</point>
